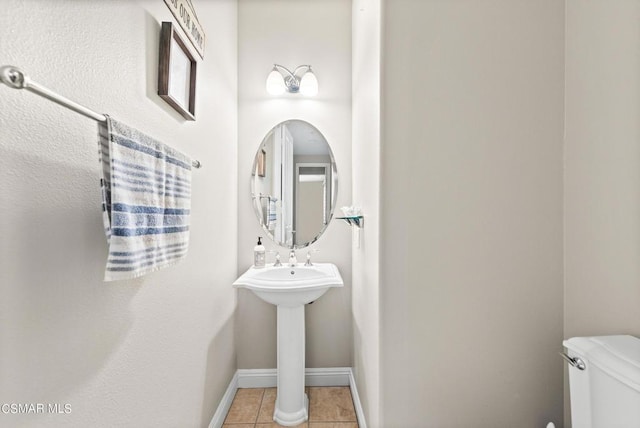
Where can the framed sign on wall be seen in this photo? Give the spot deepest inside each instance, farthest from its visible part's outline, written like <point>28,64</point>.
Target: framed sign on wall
<point>185,15</point>
<point>176,72</point>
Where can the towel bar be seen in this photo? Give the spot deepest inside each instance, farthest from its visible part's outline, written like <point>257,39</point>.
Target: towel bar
<point>15,78</point>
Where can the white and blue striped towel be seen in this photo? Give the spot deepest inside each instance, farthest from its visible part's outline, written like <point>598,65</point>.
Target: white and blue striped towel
<point>146,190</point>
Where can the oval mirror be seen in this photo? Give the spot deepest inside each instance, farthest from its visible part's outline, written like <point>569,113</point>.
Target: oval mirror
<point>294,184</point>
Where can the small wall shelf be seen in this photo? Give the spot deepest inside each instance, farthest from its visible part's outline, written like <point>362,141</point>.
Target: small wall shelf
<point>356,220</point>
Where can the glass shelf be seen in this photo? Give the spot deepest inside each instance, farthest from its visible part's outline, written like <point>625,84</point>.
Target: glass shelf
<point>356,220</point>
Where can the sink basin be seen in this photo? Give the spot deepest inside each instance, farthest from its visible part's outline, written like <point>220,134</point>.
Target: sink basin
<point>290,286</point>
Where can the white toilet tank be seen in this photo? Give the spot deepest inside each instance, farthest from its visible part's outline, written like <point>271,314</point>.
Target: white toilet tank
<point>606,394</point>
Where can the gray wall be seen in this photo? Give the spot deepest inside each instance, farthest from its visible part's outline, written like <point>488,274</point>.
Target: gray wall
<point>602,172</point>
<point>292,33</point>
<point>155,351</point>
<point>602,169</point>
<point>471,219</point>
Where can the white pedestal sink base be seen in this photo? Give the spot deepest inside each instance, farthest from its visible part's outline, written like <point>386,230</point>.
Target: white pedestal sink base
<point>290,288</point>
<point>292,419</point>
<point>291,403</point>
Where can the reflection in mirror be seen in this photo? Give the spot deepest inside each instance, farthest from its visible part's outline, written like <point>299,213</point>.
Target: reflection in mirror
<point>294,184</point>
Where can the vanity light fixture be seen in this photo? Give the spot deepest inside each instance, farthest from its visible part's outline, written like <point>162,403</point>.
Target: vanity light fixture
<point>301,80</point>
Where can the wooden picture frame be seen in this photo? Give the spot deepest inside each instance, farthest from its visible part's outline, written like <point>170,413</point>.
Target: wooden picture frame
<point>262,163</point>
<point>177,72</point>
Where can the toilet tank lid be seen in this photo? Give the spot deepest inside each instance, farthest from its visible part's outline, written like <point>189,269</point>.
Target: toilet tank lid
<point>618,356</point>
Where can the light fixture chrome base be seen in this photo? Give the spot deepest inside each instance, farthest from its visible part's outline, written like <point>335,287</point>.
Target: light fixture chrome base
<point>292,81</point>
<point>292,78</point>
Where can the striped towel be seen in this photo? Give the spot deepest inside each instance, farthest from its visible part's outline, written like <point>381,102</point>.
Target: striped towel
<point>146,191</point>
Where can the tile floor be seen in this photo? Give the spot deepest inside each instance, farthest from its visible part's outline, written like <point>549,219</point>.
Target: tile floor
<point>329,407</point>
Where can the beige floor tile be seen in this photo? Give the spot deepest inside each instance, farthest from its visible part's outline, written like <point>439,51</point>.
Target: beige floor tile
<point>268,405</point>
<point>333,425</point>
<point>238,426</point>
<point>331,404</point>
<point>245,406</point>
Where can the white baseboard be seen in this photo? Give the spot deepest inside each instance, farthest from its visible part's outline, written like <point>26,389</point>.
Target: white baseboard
<point>267,378</point>
<point>362,423</point>
<point>256,378</point>
<point>225,403</point>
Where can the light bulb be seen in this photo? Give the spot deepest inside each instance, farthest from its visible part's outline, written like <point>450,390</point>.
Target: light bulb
<point>309,84</point>
<point>275,83</point>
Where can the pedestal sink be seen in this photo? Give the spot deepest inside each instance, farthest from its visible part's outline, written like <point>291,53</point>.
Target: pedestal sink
<point>290,288</point>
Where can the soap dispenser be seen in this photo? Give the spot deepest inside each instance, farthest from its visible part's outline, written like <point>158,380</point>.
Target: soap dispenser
<point>259,254</point>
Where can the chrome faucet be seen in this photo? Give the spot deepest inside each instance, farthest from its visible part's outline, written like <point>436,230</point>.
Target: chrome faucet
<point>276,261</point>
<point>292,258</point>
<point>308,262</point>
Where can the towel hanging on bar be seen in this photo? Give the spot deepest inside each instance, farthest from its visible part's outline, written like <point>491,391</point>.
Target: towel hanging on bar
<point>146,192</point>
